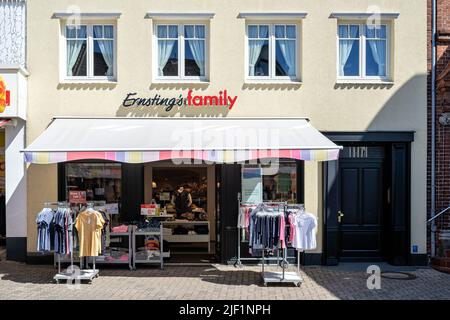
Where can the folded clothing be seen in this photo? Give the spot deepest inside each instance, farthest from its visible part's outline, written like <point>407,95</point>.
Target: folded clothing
<point>121,228</point>
<point>123,257</point>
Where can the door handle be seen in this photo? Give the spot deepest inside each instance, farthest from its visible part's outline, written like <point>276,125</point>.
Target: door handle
<point>340,215</point>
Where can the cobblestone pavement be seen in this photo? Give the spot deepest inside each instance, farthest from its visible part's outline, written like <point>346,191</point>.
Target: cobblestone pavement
<point>346,281</point>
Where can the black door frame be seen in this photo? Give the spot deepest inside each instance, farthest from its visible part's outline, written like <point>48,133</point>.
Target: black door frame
<point>398,147</point>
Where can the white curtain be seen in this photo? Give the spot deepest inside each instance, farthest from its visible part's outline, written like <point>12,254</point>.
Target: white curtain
<point>107,49</point>
<point>378,49</point>
<point>345,48</point>
<point>73,50</point>
<point>198,52</point>
<point>255,47</point>
<point>287,48</point>
<point>165,48</point>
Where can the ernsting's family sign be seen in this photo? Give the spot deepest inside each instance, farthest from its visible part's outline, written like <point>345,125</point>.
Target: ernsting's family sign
<point>220,100</point>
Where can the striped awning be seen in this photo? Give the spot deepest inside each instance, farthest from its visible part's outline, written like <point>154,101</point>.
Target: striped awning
<point>215,140</point>
<point>4,122</point>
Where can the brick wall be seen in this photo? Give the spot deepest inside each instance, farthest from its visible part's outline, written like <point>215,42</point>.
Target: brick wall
<point>442,105</point>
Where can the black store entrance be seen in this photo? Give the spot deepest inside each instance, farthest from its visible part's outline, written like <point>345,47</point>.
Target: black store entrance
<point>366,199</point>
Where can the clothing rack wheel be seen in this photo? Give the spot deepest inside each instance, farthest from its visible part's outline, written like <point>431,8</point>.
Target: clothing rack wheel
<point>284,264</point>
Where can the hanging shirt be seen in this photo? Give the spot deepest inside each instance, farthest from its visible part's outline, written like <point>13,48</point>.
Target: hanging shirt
<point>282,229</point>
<point>44,222</point>
<point>304,235</point>
<point>241,217</point>
<point>89,224</point>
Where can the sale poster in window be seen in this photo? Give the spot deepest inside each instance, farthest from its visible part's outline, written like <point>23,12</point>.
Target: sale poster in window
<point>252,190</point>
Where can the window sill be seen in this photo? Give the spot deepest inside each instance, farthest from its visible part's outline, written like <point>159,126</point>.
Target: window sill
<point>365,81</point>
<point>181,82</point>
<point>88,81</point>
<point>273,82</point>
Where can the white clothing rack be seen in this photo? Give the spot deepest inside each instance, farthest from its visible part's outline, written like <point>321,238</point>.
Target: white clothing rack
<point>272,277</point>
<point>72,274</point>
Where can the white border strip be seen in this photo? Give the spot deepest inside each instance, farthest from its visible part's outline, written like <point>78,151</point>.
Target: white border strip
<point>87,15</point>
<point>179,16</point>
<point>272,15</point>
<point>363,15</point>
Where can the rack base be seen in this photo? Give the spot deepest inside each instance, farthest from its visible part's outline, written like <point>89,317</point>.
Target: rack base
<point>277,277</point>
<point>86,275</point>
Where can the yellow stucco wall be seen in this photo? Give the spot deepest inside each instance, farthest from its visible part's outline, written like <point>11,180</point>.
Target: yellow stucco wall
<point>331,107</point>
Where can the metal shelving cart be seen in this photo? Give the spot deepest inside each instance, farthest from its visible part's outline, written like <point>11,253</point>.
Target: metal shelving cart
<point>106,260</point>
<point>137,256</point>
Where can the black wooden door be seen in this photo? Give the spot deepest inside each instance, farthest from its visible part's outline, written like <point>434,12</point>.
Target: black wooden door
<point>361,204</point>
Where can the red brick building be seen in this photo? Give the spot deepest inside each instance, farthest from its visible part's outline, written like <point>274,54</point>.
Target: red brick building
<point>441,260</point>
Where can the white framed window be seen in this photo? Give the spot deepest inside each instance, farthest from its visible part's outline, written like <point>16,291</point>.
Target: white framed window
<point>181,52</point>
<point>363,52</point>
<point>89,52</point>
<point>272,52</point>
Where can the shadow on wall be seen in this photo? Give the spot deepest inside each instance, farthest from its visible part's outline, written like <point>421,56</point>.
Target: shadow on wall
<point>351,86</point>
<point>400,107</point>
<point>403,105</point>
<point>86,86</point>
<point>160,111</point>
<point>272,86</point>
<point>180,86</point>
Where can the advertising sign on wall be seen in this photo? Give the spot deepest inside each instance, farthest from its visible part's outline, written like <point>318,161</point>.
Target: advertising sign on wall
<point>13,93</point>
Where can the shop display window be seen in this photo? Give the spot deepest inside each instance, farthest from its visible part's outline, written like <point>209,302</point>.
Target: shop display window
<point>279,181</point>
<point>97,182</point>
<point>194,180</point>
<point>101,183</point>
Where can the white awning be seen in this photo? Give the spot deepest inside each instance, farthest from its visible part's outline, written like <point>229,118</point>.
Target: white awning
<point>137,140</point>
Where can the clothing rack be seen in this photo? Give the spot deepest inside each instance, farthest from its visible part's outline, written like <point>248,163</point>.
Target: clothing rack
<point>239,260</point>
<point>72,274</point>
<point>272,277</point>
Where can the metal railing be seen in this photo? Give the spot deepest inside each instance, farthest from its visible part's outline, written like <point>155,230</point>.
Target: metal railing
<point>438,215</point>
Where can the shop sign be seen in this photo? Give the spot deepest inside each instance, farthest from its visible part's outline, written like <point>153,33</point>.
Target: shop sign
<point>252,190</point>
<point>189,100</point>
<point>77,196</point>
<point>4,95</point>
<point>150,209</point>
<point>13,92</point>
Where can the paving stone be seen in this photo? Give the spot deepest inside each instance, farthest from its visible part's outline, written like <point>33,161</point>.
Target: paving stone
<point>21,281</point>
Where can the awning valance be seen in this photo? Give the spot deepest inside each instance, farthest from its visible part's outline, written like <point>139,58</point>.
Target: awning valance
<point>219,140</point>
<point>4,122</point>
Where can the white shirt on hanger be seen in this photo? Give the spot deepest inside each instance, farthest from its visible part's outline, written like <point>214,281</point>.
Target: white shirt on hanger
<point>306,230</point>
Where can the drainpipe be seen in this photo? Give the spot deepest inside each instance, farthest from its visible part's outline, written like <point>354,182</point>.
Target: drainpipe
<point>433,126</point>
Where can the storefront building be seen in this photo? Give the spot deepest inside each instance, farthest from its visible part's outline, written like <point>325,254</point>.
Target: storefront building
<point>108,86</point>
<point>13,115</point>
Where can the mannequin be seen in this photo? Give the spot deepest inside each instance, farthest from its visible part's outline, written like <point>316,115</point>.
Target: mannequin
<point>182,200</point>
